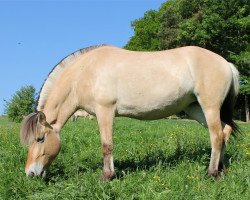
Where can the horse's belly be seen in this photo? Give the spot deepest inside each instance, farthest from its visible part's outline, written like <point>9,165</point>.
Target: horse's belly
<point>150,109</point>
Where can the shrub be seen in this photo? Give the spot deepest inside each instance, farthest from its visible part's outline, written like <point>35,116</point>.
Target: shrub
<point>21,104</point>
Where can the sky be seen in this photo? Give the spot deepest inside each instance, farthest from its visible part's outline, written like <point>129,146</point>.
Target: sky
<point>36,35</point>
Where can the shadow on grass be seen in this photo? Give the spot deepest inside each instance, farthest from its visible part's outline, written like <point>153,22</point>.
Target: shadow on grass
<point>59,171</point>
<point>53,175</point>
<point>154,159</point>
<point>160,158</point>
<point>146,163</point>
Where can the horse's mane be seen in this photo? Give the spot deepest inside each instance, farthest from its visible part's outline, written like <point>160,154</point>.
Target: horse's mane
<point>56,71</point>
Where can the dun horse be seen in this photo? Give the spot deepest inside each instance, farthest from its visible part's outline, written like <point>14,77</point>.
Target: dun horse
<point>81,113</point>
<point>107,81</point>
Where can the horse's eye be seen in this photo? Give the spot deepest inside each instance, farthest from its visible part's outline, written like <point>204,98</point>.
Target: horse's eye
<point>40,140</point>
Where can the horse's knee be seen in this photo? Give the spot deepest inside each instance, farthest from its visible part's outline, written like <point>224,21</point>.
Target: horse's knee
<point>215,128</point>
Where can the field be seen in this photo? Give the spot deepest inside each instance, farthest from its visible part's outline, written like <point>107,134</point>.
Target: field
<point>165,159</point>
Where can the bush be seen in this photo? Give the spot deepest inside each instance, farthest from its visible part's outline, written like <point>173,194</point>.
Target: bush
<point>21,104</point>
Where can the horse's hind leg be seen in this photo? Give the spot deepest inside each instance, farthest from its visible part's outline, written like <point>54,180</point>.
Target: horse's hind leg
<point>195,111</point>
<point>227,131</point>
<point>213,123</point>
<point>216,137</point>
<point>105,118</point>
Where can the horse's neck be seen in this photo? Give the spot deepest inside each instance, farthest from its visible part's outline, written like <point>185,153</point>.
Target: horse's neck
<point>58,110</point>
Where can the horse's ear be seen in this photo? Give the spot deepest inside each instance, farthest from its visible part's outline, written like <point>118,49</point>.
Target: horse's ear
<point>41,118</point>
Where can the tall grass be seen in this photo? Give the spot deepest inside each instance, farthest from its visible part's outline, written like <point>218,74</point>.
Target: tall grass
<point>165,159</point>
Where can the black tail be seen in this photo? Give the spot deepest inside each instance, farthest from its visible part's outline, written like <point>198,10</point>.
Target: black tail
<point>227,117</point>
<point>227,108</point>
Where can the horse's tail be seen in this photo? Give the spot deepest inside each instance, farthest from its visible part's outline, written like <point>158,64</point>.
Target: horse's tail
<point>229,102</point>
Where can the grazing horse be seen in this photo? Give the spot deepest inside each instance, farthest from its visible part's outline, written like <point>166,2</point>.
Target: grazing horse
<point>107,81</point>
<point>81,113</point>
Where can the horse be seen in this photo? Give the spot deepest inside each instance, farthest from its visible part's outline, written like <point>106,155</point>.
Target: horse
<point>81,113</point>
<point>107,82</point>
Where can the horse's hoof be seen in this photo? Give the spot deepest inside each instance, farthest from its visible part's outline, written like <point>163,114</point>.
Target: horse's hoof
<point>217,175</point>
<point>213,173</point>
<point>108,176</point>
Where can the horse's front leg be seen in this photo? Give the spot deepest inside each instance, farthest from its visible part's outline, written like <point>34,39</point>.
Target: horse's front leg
<point>105,117</point>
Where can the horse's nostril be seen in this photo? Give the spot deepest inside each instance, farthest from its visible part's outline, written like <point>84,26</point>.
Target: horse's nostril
<point>41,173</point>
<point>31,174</point>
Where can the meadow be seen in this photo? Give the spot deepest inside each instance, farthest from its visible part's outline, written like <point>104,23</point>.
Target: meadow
<point>164,159</point>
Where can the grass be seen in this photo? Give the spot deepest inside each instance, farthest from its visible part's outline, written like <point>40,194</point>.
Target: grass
<point>165,159</point>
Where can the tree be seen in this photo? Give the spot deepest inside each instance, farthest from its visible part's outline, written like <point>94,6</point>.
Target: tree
<point>21,104</point>
<point>245,90</point>
<point>220,26</point>
<point>146,33</point>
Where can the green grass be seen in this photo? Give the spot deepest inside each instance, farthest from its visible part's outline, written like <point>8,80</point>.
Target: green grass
<point>165,159</point>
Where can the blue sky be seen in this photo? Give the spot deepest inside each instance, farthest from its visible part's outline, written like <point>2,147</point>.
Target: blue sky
<point>36,35</point>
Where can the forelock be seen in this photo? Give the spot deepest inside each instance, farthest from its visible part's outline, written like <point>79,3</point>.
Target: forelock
<point>29,129</point>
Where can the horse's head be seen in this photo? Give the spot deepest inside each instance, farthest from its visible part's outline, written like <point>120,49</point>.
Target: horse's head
<point>43,143</point>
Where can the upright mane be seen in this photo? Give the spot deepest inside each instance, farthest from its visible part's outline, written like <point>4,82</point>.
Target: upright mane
<point>56,71</point>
